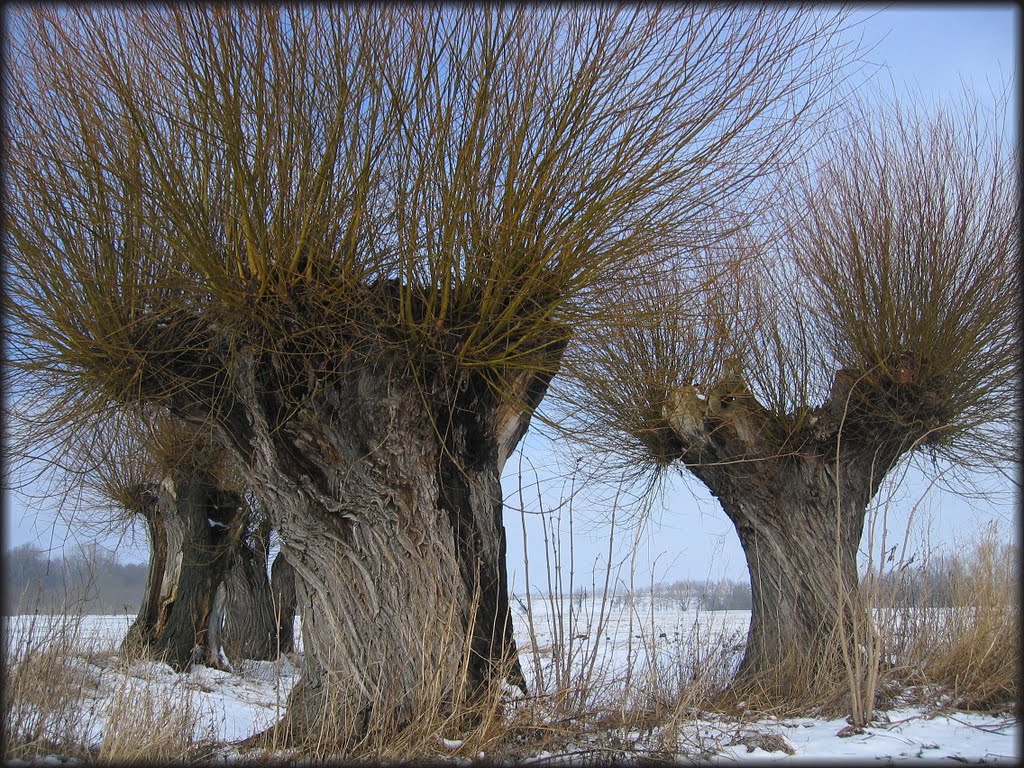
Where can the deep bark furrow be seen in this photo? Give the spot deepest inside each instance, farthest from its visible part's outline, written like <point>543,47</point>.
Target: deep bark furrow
<point>282,582</point>
<point>384,485</point>
<point>377,578</point>
<point>471,492</point>
<point>249,627</point>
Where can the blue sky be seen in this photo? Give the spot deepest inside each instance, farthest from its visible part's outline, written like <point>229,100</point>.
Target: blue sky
<point>934,48</point>
<point>930,50</point>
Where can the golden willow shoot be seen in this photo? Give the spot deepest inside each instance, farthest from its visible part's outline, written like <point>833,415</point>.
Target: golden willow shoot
<point>190,186</point>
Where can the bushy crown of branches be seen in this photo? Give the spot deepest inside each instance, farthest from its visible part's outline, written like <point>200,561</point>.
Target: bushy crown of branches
<point>328,185</point>
<point>876,302</point>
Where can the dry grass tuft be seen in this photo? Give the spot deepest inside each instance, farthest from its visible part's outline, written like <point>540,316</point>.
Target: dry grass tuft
<point>443,728</point>
<point>795,686</point>
<point>948,630</point>
<point>44,681</point>
<point>970,649</point>
<point>145,724</point>
<point>57,699</point>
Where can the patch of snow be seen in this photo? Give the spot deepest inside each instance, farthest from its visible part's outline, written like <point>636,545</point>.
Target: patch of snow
<point>910,734</point>
<point>234,706</point>
<point>151,670</point>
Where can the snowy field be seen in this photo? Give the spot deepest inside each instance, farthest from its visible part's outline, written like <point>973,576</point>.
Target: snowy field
<point>622,639</point>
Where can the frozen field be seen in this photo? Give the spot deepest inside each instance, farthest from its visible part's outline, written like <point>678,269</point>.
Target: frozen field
<point>632,642</point>
<point>639,637</point>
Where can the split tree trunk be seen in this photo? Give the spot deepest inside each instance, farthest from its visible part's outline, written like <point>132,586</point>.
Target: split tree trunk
<point>242,621</point>
<point>193,529</point>
<point>796,488</point>
<point>143,628</point>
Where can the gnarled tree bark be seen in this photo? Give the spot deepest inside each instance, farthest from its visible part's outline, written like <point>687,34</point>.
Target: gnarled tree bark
<point>282,586</point>
<point>242,622</point>
<point>143,628</point>
<point>388,502</point>
<point>380,470</point>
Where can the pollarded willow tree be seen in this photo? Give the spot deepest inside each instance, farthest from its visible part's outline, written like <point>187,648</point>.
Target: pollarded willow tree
<point>353,243</point>
<point>207,597</point>
<point>874,320</point>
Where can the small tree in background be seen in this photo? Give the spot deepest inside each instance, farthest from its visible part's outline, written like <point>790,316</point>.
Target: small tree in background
<point>207,585</point>
<point>878,319</point>
<point>352,244</point>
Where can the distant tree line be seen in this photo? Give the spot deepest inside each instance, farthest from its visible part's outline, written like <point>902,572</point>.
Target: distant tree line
<point>91,580</point>
<point>935,582</point>
<point>722,595</point>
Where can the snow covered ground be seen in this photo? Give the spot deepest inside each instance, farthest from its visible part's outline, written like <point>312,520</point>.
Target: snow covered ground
<point>648,640</point>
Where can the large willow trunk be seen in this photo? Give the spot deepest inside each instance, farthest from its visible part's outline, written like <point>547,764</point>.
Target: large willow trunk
<point>796,488</point>
<point>387,499</point>
<point>800,540</point>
